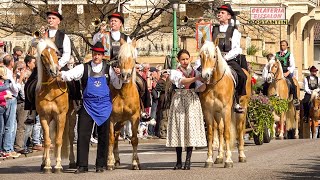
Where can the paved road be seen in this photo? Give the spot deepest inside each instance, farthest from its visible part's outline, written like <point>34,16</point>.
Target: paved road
<point>288,159</point>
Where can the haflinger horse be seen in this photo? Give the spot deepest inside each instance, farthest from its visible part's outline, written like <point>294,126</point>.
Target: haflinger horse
<point>279,87</point>
<point>314,111</point>
<point>217,106</point>
<point>51,103</point>
<point>125,106</point>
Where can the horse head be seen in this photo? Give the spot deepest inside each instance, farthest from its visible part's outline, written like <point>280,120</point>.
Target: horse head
<point>127,60</point>
<point>315,99</point>
<point>48,57</point>
<point>211,60</point>
<point>275,71</point>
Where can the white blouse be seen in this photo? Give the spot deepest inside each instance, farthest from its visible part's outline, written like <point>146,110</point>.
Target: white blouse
<point>176,77</point>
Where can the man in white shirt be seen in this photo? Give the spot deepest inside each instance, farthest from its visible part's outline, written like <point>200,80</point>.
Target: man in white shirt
<point>97,106</point>
<point>265,74</point>
<point>288,65</point>
<point>62,41</point>
<point>229,38</point>
<point>311,83</point>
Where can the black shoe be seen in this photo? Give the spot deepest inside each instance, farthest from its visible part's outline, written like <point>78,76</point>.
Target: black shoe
<point>296,102</point>
<point>24,151</point>
<point>99,169</point>
<point>188,158</point>
<point>178,166</point>
<point>81,170</point>
<point>31,118</point>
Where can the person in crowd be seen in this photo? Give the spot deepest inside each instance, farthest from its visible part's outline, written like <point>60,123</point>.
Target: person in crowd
<point>97,106</point>
<point>20,143</point>
<point>311,82</point>
<point>287,61</point>
<point>4,85</point>
<point>11,108</point>
<point>17,53</point>
<point>185,121</point>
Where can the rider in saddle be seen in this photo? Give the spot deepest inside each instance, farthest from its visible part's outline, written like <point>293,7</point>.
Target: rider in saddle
<point>265,74</point>
<point>111,42</point>
<point>228,36</point>
<point>311,83</point>
<point>62,41</point>
<point>288,65</point>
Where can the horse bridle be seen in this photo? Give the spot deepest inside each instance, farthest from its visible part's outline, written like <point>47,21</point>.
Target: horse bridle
<point>214,69</point>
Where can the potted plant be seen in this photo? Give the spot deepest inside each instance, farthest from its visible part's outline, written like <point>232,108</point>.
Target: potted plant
<point>260,113</point>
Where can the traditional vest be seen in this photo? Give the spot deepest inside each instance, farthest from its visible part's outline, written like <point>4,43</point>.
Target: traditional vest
<point>88,72</point>
<point>224,38</point>
<point>284,60</point>
<point>115,46</point>
<point>313,84</point>
<point>58,40</point>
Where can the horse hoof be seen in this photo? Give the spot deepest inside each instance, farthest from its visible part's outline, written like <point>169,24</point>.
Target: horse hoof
<point>41,167</point>
<point>228,164</point>
<point>297,137</point>
<point>281,138</point>
<point>72,165</point>
<point>208,165</point>
<point>135,167</point>
<point>110,168</point>
<point>46,171</point>
<point>58,170</point>
<point>117,164</point>
<point>218,161</point>
<point>242,160</point>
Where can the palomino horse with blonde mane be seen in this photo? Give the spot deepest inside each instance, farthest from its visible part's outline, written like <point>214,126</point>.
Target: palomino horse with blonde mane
<point>314,111</point>
<point>125,106</point>
<point>217,105</point>
<point>279,87</point>
<point>51,102</point>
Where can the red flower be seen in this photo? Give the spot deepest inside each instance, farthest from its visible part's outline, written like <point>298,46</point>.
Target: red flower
<point>253,81</point>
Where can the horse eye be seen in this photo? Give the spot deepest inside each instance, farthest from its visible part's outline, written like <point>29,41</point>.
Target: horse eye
<point>214,56</point>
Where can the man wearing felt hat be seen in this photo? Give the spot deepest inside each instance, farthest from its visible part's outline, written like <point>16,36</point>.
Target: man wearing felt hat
<point>97,106</point>
<point>311,83</point>
<point>62,41</point>
<point>228,38</point>
<point>111,40</point>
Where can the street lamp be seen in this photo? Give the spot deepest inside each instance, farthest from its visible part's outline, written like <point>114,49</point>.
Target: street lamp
<point>175,5</point>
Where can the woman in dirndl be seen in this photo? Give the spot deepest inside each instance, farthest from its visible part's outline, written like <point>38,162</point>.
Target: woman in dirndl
<point>185,122</point>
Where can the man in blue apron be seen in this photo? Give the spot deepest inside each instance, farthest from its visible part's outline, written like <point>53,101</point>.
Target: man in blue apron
<point>97,107</point>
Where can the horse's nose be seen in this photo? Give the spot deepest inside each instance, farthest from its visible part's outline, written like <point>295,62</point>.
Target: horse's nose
<point>123,75</point>
<point>207,76</point>
<point>128,75</point>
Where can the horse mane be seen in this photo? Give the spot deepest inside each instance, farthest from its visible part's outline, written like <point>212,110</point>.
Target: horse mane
<point>314,94</point>
<point>42,45</point>
<point>210,49</point>
<point>127,52</point>
<point>272,61</point>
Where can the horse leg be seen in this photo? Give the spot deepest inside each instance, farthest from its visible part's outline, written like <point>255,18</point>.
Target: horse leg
<point>61,121</point>
<point>135,141</point>
<point>240,129</point>
<point>209,161</point>
<point>72,123</point>
<point>116,149</point>
<point>313,128</point>
<point>46,162</point>
<point>219,159</point>
<point>227,128</point>
<point>281,123</point>
<point>297,118</point>
<point>110,163</point>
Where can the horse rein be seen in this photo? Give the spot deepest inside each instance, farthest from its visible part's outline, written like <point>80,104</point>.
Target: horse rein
<point>54,77</point>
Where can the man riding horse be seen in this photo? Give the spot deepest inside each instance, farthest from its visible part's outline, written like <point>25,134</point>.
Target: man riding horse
<point>228,38</point>
<point>111,42</point>
<point>288,65</point>
<point>62,41</point>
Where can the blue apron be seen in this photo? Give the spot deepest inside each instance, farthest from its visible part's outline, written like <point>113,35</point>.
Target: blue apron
<point>97,100</point>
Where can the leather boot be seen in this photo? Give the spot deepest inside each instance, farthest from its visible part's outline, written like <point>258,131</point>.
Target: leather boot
<point>188,158</point>
<point>179,161</point>
<point>31,118</point>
